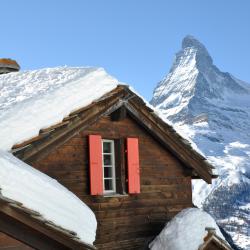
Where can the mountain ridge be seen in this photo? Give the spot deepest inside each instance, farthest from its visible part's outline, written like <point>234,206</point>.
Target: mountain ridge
<point>212,108</point>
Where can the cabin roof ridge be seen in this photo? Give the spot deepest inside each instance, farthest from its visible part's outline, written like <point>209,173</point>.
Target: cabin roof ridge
<point>122,95</point>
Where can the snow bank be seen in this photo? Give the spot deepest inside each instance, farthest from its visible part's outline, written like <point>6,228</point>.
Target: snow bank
<point>39,192</point>
<point>32,100</point>
<point>185,231</point>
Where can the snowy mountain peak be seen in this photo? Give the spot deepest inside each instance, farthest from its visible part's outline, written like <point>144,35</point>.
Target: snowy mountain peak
<point>191,43</point>
<point>212,108</point>
<point>193,81</point>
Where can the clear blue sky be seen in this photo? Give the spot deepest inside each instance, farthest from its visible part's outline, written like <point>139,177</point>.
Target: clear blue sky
<point>134,40</point>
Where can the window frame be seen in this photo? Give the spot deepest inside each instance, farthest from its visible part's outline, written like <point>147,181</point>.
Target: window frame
<point>113,166</point>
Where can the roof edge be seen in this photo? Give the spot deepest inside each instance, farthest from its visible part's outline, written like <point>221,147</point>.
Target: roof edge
<point>121,95</point>
<point>35,220</point>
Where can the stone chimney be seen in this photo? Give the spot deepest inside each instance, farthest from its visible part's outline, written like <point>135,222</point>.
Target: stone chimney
<point>7,65</point>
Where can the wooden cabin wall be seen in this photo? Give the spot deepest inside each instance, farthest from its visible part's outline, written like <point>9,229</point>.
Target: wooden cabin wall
<point>213,246</point>
<point>8,243</point>
<point>129,221</point>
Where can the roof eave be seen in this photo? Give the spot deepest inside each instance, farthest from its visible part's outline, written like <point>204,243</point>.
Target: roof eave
<point>122,95</point>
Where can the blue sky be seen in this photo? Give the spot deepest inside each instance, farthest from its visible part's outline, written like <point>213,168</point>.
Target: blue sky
<point>134,40</point>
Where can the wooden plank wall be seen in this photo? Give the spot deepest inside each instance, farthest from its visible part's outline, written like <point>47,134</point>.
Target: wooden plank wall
<point>8,243</point>
<point>129,221</point>
<point>213,246</point>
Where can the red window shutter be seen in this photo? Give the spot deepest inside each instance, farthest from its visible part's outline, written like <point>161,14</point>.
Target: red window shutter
<point>133,166</point>
<point>95,165</point>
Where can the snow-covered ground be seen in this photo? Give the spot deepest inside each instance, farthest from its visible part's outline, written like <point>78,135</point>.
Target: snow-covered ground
<point>186,231</point>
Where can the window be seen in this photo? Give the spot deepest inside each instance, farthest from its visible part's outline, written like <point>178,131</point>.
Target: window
<point>114,166</point>
<point>108,163</point>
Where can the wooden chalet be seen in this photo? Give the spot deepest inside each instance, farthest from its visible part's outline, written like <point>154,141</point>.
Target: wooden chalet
<point>119,157</point>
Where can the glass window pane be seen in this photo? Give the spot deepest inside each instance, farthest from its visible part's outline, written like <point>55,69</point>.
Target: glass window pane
<point>106,147</point>
<point>107,160</point>
<point>108,185</point>
<point>107,172</point>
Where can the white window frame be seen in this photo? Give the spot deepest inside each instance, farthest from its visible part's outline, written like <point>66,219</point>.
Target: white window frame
<point>112,153</point>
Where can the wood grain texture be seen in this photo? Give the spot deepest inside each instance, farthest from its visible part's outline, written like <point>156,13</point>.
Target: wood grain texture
<point>8,243</point>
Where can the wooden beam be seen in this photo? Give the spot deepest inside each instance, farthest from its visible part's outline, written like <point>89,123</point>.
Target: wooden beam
<point>28,235</point>
<point>34,232</point>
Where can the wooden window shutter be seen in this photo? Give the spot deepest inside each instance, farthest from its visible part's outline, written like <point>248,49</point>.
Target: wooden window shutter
<point>95,165</point>
<point>133,166</point>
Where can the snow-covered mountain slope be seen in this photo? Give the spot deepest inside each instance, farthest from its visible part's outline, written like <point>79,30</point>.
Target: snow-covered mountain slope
<point>212,108</point>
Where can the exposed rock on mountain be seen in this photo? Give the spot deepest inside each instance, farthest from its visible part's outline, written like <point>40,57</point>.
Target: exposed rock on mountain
<point>212,108</point>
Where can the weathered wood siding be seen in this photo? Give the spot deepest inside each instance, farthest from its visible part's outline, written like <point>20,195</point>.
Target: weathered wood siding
<point>129,221</point>
<point>8,243</point>
<point>213,246</point>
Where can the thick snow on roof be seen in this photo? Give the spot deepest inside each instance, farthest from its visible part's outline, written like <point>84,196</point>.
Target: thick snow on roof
<point>186,231</point>
<point>39,192</point>
<point>31,100</point>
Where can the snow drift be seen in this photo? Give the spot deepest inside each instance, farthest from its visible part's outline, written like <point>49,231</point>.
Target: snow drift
<point>186,231</point>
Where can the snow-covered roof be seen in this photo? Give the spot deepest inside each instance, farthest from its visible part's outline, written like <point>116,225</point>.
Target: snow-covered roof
<point>29,101</point>
<point>186,231</point>
<point>38,192</point>
<point>32,100</point>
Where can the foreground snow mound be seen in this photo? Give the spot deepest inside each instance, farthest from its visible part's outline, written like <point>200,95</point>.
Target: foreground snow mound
<point>37,191</point>
<point>31,100</point>
<point>185,231</point>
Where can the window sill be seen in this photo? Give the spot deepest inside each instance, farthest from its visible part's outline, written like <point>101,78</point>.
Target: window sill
<point>114,195</point>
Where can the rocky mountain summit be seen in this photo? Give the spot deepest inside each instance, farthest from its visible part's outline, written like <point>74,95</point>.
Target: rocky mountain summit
<point>212,108</point>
